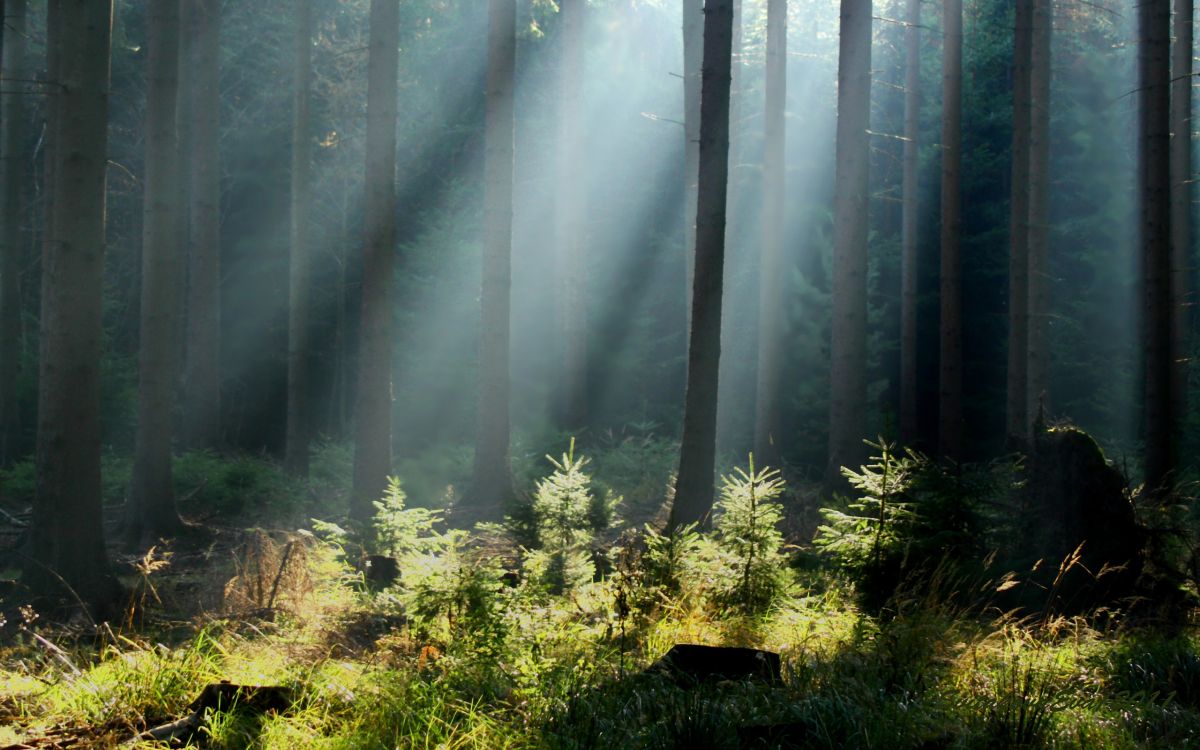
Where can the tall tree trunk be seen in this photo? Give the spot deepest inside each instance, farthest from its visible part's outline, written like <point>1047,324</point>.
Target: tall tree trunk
<point>693,50</point>
<point>848,396</point>
<point>491,484</point>
<point>1181,211</point>
<point>150,513</point>
<point>202,412</point>
<point>373,401</point>
<point>569,225</point>
<point>774,187</point>
<point>909,220</point>
<point>298,411</point>
<point>1154,187</point>
<point>1039,210</point>
<point>1017,417</point>
<point>950,432</point>
<point>68,533</point>
<point>694,486</point>
<point>13,175</point>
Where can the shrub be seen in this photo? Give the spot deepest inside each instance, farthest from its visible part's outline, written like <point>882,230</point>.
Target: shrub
<point>746,527</point>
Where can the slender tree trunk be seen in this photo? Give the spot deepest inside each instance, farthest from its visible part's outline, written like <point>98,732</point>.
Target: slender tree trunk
<point>1018,418</point>
<point>373,400</point>
<point>1181,211</point>
<point>202,412</point>
<point>183,120</point>
<point>569,224</point>
<point>774,187</point>
<point>693,50</point>
<point>68,534</point>
<point>299,272</point>
<point>950,433</point>
<point>1154,183</point>
<point>491,485</point>
<point>150,513</point>
<point>848,397</point>
<point>1039,211</point>
<point>13,175</point>
<point>909,220</point>
<point>694,486</point>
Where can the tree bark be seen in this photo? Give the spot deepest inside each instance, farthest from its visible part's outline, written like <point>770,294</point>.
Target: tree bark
<point>569,224</point>
<point>1039,211</point>
<point>1017,415</point>
<point>1154,183</point>
<point>910,221</point>
<point>694,487</point>
<point>1181,212</point>
<point>150,512</point>
<point>68,553</point>
<point>202,412</point>
<point>693,50</point>
<point>774,187</point>
<point>848,397</point>
<point>373,400</point>
<point>491,484</point>
<point>299,271</point>
<point>950,432</point>
<point>13,175</point>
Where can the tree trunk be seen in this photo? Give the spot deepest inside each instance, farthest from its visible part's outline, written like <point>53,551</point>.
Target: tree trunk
<point>950,432</point>
<point>202,412</point>
<point>13,175</point>
<point>909,220</point>
<point>774,187</point>
<point>848,397</point>
<point>1039,211</point>
<point>693,50</point>
<point>1017,417</point>
<point>68,533</point>
<point>694,486</point>
<point>1181,211</point>
<point>491,484</point>
<point>298,411</point>
<point>150,513</point>
<point>569,217</point>
<point>1154,183</point>
<point>373,401</point>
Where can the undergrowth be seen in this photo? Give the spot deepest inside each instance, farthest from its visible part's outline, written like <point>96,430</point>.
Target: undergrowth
<point>473,647</point>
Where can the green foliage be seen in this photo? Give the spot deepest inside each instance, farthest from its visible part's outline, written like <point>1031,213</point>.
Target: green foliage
<point>208,484</point>
<point>567,514</point>
<point>404,533</point>
<point>459,597</point>
<point>911,515</point>
<point>747,527</point>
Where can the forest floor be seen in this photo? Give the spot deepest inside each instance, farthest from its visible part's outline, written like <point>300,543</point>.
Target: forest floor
<point>459,653</point>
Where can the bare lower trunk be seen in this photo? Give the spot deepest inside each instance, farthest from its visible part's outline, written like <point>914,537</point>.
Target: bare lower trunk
<point>693,49</point>
<point>150,513</point>
<point>202,412</point>
<point>68,537</point>
<point>909,225</point>
<point>569,224</point>
<point>848,396</point>
<point>770,311</point>
<point>1018,420</point>
<point>373,402</point>
<point>13,174</point>
<point>298,412</point>
<point>1154,182</point>
<point>694,486</point>
<point>1039,211</point>
<point>491,483</point>
<point>950,433</point>
<point>1181,211</point>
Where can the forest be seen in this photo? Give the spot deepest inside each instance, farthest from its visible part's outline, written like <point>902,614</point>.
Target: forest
<point>598,374</point>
